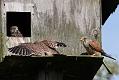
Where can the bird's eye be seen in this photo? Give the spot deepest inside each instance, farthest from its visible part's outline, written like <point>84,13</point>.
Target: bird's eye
<point>61,44</point>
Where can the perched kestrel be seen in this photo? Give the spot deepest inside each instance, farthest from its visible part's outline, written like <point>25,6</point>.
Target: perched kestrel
<point>93,47</point>
<point>44,47</point>
<point>14,32</point>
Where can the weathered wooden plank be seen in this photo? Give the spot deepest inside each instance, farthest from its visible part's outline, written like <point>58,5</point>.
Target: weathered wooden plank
<point>1,48</point>
<point>2,36</point>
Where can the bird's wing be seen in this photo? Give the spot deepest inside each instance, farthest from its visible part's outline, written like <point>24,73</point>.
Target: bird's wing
<point>20,50</point>
<point>33,47</point>
<point>95,45</point>
<point>24,49</point>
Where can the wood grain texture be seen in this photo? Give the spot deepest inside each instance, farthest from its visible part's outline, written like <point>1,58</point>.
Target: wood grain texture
<point>61,20</point>
<point>1,37</point>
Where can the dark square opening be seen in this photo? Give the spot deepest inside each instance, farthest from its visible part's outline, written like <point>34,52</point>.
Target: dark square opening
<point>20,19</point>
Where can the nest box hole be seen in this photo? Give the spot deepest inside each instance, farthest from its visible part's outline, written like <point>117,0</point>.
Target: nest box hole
<point>20,19</point>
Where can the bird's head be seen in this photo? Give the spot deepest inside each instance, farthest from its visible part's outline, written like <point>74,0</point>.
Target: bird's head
<point>13,29</point>
<point>53,44</point>
<point>83,39</point>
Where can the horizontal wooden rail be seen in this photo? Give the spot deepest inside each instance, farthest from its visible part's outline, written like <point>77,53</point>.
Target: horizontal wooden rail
<point>49,68</point>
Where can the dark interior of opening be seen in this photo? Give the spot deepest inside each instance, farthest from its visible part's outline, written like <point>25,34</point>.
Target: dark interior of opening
<point>20,19</point>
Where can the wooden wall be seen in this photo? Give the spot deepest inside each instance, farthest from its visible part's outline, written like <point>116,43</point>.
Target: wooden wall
<point>61,20</point>
<point>1,49</point>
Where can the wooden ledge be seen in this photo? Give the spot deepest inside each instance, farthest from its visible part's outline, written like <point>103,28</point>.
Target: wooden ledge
<point>53,68</point>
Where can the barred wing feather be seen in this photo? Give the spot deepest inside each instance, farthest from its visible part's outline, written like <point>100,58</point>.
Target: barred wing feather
<point>20,50</point>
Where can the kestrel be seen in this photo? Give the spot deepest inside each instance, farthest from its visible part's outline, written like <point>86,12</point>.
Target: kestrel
<point>44,47</point>
<point>93,47</point>
<point>14,32</point>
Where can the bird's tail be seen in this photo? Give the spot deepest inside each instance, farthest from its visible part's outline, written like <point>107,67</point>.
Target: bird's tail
<point>105,54</point>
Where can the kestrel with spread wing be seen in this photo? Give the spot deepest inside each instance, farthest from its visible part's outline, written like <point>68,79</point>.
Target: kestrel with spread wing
<point>44,47</point>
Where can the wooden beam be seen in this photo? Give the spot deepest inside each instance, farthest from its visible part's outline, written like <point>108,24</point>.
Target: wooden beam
<point>50,68</point>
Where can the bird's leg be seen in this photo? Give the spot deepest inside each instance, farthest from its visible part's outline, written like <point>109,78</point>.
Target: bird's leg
<point>97,53</point>
<point>93,55</point>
